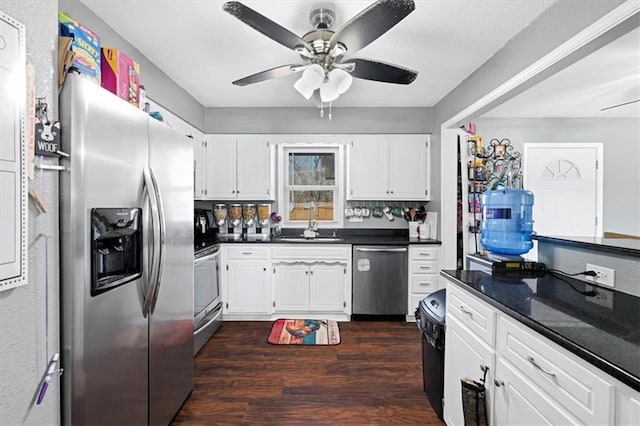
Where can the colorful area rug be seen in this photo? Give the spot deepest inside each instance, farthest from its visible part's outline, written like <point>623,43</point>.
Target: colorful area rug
<point>304,332</point>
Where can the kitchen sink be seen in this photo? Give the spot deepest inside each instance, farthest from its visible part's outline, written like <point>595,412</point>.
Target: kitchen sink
<point>309,240</point>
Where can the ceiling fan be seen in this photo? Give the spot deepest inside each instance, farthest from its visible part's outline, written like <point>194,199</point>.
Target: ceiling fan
<point>325,72</point>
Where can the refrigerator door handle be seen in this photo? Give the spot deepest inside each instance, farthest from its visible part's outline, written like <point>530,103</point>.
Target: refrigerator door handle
<point>161,242</point>
<point>155,232</point>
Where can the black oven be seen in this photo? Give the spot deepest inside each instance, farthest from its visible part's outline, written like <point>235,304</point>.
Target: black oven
<point>207,301</point>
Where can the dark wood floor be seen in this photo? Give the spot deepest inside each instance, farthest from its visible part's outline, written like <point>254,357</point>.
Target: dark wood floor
<point>373,377</point>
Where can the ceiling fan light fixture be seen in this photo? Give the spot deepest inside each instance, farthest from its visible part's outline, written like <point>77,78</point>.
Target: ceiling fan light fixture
<point>329,91</point>
<point>341,79</point>
<point>311,80</point>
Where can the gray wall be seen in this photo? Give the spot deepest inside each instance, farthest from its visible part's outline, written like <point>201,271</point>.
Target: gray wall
<point>158,86</point>
<point>308,121</point>
<point>555,26</point>
<point>620,138</point>
<point>23,351</point>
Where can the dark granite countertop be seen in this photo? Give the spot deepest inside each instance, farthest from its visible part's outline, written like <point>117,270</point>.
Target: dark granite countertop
<point>347,236</point>
<point>627,246</point>
<point>554,307</point>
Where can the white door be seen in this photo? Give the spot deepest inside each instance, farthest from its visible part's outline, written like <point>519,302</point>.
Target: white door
<point>566,181</point>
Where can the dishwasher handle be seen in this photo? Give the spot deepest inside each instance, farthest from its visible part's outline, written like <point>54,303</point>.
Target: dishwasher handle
<point>382,249</point>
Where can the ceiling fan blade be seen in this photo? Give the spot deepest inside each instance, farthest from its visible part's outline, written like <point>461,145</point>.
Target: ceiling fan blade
<point>380,71</point>
<point>277,72</point>
<point>619,105</point>
<point>371,23</point>
<point>265,25</point>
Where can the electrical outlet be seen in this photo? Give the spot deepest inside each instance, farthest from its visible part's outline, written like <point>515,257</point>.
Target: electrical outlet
<point>604,276</point>
<point>603,297</point>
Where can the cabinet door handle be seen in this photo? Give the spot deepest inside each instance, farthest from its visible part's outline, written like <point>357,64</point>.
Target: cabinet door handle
<point>424,254</point>
<point>268,192</point>
<point>233,191</point>
<point>536,365</point>
<point>464,311</point>
<point>306,272</point>
<point>425,267</point>
<point>498,383</point>
<point>391,191</point>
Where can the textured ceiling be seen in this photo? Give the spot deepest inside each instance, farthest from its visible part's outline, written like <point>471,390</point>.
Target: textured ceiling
<point>204,49</point>
<point>609,76</point>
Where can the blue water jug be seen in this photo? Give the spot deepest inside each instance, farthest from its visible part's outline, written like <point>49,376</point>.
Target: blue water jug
<point>507,221</point>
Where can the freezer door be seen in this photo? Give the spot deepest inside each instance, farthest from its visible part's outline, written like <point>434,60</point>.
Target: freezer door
<point>171,317</point>
<point>104,337</point>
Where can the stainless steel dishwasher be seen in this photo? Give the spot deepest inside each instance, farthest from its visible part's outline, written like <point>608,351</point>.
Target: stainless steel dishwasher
<point>379,280</point>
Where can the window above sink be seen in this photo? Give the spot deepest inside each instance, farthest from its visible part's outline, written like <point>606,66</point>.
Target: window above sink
<point>311,185</point>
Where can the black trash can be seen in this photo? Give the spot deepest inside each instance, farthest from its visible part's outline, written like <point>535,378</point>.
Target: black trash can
<point>430,317</point>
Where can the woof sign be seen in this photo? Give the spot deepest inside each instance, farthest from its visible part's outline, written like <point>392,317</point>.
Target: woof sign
<point>47,138</point>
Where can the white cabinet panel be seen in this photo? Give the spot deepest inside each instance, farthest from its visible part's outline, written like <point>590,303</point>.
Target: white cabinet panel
<point>248,287</point>
<point>327,287</point>
<point>220,174</point>
<point>465,356</point>
<point>291,287</point>
<point>255,168</point>
<point>408,167</point>
<point>369,168</point>
<point>389,167</point>
<point>517,402</point>
<point>239,167</point>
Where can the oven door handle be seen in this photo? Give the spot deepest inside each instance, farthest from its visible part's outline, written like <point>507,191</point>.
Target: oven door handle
<point>213,318</point>
<point>206,258</point>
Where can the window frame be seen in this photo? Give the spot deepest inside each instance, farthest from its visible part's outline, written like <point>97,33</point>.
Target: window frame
<point>284,149</point>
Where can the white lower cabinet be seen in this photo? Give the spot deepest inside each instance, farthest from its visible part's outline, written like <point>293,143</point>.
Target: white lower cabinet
<point>518,402</point>
<point>423,274</point>
<point>531,380</point>
<point>290,287</point>
<point>312,281</point>
<point>305,287</point>
<point>465,356</point>
<point>246,281</point>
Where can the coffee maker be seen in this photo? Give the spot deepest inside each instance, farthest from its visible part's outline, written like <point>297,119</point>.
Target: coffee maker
<point>202,222</point>
<point>263,228</point>
<point>222,221</point>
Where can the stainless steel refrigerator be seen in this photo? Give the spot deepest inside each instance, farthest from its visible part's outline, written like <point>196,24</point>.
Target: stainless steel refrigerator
<point>126,210</point>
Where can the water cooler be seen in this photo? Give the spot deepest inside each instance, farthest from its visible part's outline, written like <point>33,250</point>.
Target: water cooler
<point>507,222</point>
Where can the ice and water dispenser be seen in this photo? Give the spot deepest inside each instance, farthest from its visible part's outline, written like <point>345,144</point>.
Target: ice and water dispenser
<point>116,247</point>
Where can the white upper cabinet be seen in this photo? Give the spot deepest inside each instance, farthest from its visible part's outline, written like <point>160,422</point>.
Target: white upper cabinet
<point>255,160</point>
<point>220,167</point>
<point>238,167</point>
<point>389,167</point>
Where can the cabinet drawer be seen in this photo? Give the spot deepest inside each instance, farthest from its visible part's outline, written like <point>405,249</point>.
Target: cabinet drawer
<point>310,251</point>
<point>423,253</point>
<point>473,313</point>
<point>424,283</point>
<point>248,252</point>
<point>424,267</point>
<point>578,388</point>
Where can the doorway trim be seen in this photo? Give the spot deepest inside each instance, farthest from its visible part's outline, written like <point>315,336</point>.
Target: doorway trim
<point>571,51</point>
